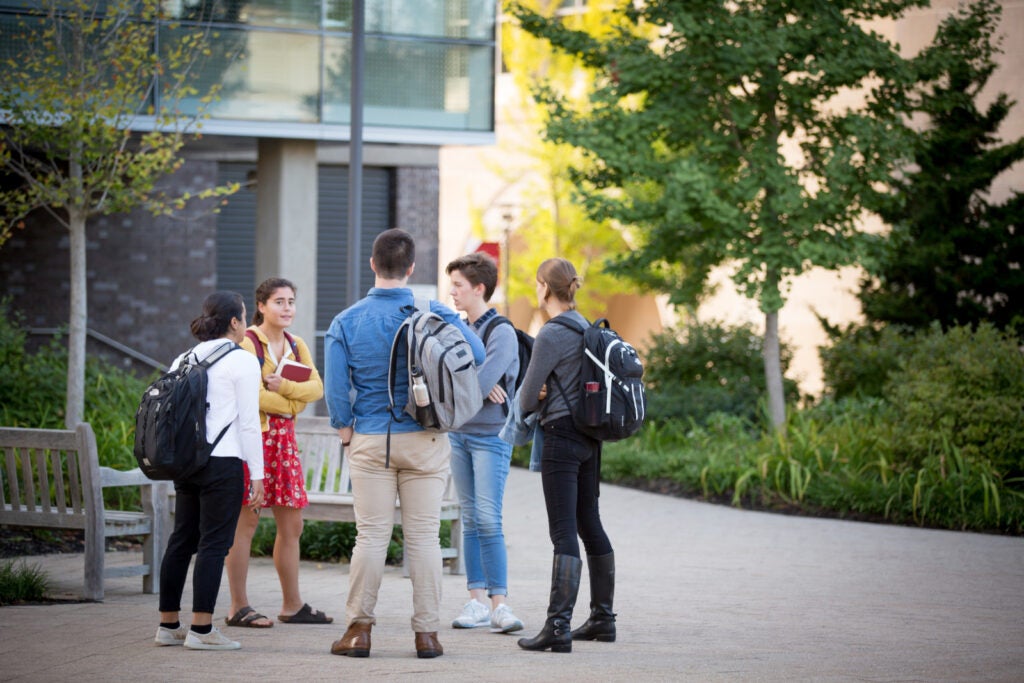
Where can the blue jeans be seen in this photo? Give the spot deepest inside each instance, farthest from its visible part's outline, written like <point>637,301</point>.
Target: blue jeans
<point>480,467</point>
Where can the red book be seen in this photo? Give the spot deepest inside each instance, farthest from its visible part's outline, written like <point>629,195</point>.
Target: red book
<point>296,372</point>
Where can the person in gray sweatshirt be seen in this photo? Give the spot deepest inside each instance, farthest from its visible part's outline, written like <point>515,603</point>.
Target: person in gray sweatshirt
<point>570,468</point>
<point>480,459</point>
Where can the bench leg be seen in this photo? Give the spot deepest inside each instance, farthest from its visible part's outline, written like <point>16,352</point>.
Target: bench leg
<point>156,503</point>
<point>95,548</point>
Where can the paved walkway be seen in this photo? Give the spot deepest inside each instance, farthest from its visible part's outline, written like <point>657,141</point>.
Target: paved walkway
<point>705,593</point>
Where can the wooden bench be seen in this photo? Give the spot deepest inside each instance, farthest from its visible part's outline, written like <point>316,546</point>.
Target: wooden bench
<point>51,478</point>
<point>329,488</point>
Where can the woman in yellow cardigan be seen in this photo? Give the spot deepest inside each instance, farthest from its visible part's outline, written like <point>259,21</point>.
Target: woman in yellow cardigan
<point>281,400</point>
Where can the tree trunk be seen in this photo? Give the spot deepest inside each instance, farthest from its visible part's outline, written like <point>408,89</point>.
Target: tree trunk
<point>773,370</point>
<point>75,406</point>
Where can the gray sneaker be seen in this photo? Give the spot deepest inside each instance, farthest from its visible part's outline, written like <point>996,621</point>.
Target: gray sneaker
<point>214,640</point>
<point>474,613</point>
<point>171,636</point>
<point>503,621</point>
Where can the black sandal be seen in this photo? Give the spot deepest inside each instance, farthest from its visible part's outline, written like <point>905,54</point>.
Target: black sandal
<point>306,615</point>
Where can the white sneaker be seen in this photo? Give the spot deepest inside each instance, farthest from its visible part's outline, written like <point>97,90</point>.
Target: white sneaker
<point>171,636</point>
<point>503,621</point>
<point>474,613</point>
<point>214,640</point>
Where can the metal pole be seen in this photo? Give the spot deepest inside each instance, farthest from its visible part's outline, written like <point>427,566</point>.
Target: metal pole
<point>506,276</point>
<point>355,162</point>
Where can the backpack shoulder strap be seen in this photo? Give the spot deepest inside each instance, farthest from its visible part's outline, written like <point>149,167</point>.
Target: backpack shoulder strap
<point>291,342</point>
<point>222,350</point>
<point>254,338</point>
<point>498,320</point>
<point>571,324</point>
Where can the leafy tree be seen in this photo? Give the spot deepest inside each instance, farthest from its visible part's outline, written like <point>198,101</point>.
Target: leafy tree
<point>745,134</point>
<point>82,75</point>
<point>951,256</point>
<point>548,221</point>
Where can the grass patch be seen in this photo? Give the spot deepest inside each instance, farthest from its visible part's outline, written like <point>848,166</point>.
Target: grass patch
<point>22,582</point>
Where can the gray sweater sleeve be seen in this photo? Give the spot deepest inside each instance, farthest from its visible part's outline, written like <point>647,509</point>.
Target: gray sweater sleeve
<point>557,350</point>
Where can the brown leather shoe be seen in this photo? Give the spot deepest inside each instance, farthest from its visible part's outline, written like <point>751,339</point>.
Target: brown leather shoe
<point>355,642</point>
<point>427,646</point>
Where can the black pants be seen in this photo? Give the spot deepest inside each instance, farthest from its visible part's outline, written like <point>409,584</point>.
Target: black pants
<point>570,471</point>
<point>205,515</point>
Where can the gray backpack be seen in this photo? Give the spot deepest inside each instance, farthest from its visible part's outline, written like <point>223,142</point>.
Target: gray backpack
<point>437,352</point>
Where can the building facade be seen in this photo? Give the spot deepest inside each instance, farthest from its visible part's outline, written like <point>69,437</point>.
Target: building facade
<point>280,128</point>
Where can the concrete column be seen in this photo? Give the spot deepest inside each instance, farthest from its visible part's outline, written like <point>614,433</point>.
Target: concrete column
<point>286,224</point>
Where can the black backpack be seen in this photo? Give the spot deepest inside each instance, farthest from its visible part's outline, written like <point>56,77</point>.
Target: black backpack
<point>524,344</point>
<point>612,401</point>
<point>170,424</point>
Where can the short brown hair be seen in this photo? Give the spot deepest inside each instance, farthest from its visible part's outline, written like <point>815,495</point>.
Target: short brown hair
<point>394,252</point>
<point>479,268</point>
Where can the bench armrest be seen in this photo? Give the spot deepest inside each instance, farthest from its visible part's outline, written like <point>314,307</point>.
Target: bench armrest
<point>111,477</point>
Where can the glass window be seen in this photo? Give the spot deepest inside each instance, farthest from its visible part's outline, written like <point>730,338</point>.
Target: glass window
<point>290,13</point>
<point>263,76</point>
<point>413,83</point>
<point>472,19</point>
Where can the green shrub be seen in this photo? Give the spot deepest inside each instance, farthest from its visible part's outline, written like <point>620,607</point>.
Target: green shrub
<point>707,368</point>
<point>860,359</point>
<point>22,582</point>
<point>961,390</point>
<point>329,541</point>
<point>834,459</point>
<point>33,395</point>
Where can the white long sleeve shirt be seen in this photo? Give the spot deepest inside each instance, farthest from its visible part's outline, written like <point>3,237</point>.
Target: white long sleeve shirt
<point>233,391</point>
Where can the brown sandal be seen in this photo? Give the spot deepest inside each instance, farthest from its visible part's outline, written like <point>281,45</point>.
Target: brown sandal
<point>246,618</point>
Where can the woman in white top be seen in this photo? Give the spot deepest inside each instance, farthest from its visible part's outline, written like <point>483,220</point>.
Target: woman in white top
<point>208,502</point>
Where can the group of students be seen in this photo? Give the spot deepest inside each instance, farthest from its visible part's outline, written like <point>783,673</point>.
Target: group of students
<point>256,464</point>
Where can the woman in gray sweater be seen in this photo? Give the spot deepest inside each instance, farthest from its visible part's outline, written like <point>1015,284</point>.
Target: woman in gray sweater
<point>570,469</point>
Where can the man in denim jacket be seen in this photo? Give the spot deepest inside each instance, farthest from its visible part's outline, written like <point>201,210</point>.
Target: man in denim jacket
<point>357,354</point>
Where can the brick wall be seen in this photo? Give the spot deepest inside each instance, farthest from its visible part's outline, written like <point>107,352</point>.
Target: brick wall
<point>147,276</point>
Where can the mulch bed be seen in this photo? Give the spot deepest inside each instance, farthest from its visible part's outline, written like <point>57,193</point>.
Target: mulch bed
<point>23,541</point>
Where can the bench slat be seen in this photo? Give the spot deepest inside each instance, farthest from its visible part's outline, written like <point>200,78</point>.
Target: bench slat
<point>329,485</point>
<point>51,478</point>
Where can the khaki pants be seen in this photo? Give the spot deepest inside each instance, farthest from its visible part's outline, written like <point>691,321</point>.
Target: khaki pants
<point>417,476</point>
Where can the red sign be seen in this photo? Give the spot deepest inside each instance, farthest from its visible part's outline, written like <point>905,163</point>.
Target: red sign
<point>492,249</point>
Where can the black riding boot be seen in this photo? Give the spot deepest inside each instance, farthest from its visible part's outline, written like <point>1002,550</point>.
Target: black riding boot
<point>565,584</point>
<point>601,624</point>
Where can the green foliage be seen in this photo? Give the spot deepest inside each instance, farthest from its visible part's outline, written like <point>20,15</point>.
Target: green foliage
<point>707,368</point>
<point>681,138</point>
<point>549,221</point>
<point>79,76</point>
<point>835,459</point>
<point>961,391</point>
<point>331,541</point>
<point>860,359</point>
<point>32,394</point>
<point>952,256</point>
<point>22,582</point>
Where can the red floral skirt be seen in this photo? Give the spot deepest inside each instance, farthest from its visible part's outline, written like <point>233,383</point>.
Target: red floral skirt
<point>284,482</point>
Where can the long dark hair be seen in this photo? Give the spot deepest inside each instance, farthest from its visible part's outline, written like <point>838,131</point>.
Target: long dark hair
<point>218,310</point>
<point>265,291</point>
